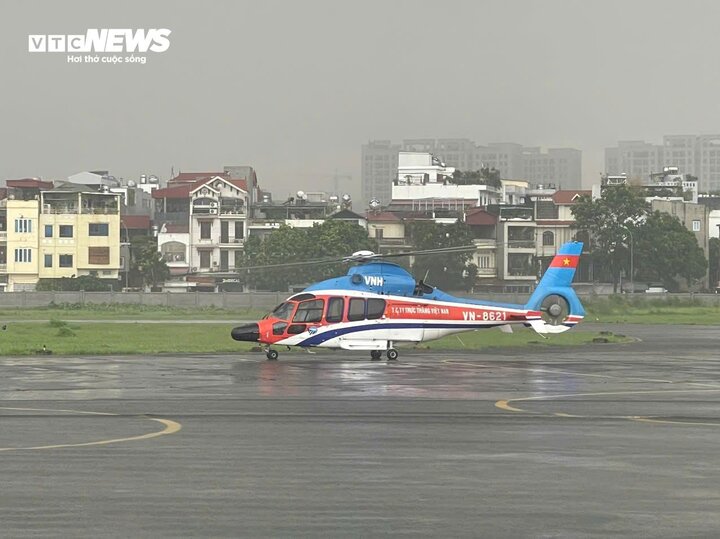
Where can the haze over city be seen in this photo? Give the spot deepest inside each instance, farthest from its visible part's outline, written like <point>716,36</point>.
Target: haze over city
<point>295,89</point>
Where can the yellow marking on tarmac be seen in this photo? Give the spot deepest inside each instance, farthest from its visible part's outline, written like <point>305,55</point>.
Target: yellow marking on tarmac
<point>171,427</point>
<point>505,405</point>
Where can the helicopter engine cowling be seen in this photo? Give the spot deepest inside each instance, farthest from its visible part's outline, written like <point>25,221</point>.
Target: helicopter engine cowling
<point>247,333</point>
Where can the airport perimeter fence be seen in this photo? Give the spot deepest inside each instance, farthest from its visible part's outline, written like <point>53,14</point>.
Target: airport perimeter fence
<point>237,301</point>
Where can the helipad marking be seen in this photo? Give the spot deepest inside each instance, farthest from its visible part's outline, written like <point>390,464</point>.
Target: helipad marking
<point>171,427</point>
<point>505,405</point>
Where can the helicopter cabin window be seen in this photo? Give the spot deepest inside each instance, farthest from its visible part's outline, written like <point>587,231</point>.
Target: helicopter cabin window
<point>335,310</point>
<point>296,329</point>
<point>375,308</point>
<point>309,311</point>
<point>356,311</point>
<point>279,328</point>
<point>283,311</point>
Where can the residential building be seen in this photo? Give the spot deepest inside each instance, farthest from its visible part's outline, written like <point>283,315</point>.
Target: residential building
<point>61,231</point>
<point>561,166</point>
<point>698,155</point>
<point>79,233</point>
<point>379,163</point>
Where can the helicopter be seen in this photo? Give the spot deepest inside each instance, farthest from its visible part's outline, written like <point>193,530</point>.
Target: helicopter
<point>378,304</point>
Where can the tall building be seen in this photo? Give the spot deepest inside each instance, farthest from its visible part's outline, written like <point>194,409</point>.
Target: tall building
<point>698,155</point>
<point>379,169</point>
<point>560,166</point>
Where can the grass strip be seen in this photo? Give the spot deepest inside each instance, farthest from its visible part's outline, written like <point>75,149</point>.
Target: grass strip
<point>61,337</point>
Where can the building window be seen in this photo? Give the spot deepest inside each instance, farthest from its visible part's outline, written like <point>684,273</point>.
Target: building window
<point>99,255</point>
<point>48,231</point>
<point>548,238</point>
<point>23,226</point>
<point>65,261</point>
<point>696,225</point>
<point>239,230</point>
<point>48,261</point>
<point>65,231</point>
<point>98,229</point>
<point>173,251</point>
<point>483,262</point>
<point>205,230</point>
<point>379,233</point>
<point>23,255</point>
<point>205,259</point>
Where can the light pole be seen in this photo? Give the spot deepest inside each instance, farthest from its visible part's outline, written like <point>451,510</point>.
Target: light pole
<point>632,259</point>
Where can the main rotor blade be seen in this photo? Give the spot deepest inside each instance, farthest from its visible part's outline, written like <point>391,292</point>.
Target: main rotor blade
<point>368,258</point>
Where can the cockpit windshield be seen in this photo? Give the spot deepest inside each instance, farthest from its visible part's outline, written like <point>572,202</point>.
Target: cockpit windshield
<point>282,311</point>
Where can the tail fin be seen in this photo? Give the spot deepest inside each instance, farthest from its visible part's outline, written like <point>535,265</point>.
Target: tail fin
<point>557,281</point>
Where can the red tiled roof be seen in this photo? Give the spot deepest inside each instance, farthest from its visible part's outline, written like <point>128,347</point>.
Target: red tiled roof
<point>141,222</point>
<point>179,191</point>
<point>382,216</point>
<point>29,183</point>
<point>480,217</point>
<point>192,177</point>
<point>568,196</point>
<point>183,190</point>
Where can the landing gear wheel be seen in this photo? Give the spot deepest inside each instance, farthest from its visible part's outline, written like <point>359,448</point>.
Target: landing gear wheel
<point>392,354</point>
<point>272,355</point>
<point>375,355</point>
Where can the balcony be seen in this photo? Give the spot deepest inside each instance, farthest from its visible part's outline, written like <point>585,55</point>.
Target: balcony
<point>232,242</point>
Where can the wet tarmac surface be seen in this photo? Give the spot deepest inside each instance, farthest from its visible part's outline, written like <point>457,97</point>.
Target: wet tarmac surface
<point>545,442</point>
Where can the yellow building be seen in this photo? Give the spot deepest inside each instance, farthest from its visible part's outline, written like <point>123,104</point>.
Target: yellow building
<point>64,232</point>
<point>22,244</point>
<point>79,233</point>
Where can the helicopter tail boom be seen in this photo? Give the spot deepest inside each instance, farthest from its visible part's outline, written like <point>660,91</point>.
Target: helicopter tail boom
<point>554,296</point>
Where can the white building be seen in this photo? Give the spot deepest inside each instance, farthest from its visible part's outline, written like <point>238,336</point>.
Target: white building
<point>420,168</point>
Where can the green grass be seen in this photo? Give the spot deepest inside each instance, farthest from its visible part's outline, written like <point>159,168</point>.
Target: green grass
<point>127,312</point>
<point>65,338</point>
<point>619,309</point>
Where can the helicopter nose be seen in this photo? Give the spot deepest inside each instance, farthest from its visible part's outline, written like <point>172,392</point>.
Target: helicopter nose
<point>248,332</point>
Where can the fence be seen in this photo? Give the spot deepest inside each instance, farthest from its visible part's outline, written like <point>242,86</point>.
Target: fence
<point>251,300</point>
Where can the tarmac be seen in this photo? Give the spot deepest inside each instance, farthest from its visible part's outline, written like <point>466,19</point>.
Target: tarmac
<point>605,439</point>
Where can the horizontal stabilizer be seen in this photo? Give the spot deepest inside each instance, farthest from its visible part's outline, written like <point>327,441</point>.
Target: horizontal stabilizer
<point>543,329</point>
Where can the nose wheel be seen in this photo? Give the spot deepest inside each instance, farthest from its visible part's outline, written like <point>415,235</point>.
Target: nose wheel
<point>272,355</point>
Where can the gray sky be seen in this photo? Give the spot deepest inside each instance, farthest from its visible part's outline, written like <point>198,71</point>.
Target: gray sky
<point>294,88</point>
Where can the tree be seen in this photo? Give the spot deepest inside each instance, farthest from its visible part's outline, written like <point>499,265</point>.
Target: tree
<point>332,239</point>
<point>714,262</point>
<point>448,270</point>
<point>484,176</point>
<point>666,250</point>
<point>609,222</point>
<point>147,262</point>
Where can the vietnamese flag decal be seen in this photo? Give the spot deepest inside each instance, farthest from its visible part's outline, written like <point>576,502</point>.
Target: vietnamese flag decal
<point>565,261</point>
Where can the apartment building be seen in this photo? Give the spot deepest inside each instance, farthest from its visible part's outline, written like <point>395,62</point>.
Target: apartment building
<point>698,155</point>
<point>58,231</point>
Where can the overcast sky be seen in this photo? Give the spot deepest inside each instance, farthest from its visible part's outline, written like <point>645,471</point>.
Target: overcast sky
<point>294,88</point>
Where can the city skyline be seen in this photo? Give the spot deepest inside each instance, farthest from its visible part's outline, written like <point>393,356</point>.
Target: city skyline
<point>294,90</point>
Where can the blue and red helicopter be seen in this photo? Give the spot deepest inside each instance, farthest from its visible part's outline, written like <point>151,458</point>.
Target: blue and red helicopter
<point>378,304</point>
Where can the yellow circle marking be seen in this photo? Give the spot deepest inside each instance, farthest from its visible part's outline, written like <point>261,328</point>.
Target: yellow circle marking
<point>171,427</point>
<point>505,405</point>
